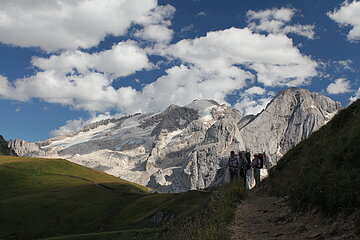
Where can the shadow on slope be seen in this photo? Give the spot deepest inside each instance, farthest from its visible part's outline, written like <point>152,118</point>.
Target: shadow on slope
<point>323,171</point>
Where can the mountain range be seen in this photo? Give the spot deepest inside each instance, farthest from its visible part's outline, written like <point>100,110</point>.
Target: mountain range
<point>187,147</point>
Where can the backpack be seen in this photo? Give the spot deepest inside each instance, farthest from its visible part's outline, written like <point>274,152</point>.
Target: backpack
<point>233,162</point>
<point>242,160</point>
<point>260,162</point>
<point>248,161</point>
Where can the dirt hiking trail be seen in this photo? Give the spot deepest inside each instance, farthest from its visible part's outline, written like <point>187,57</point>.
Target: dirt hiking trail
<point>265,217</point>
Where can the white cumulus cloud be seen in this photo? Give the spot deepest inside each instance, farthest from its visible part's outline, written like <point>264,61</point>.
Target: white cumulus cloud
<point>68,24</point>
<point>76,125</point>
<point>355,97</point>
<point>217,64</point>
<point>92,92</point>
<point>155,33</point>
<point>344,65</point>
<point>201,14</point>
<point>121,60</point>
<point>276,21</point>
<point>81,80</point>
<point>275,59</point>
<point>211,66</point>
<point>255,91</point>
<point>6,90</point>
<point>69,127</point>
<point>182,84</point>
<point>341,85</point>
<point>156,25</point>
<point>251,106</point>
<point>348,15</point>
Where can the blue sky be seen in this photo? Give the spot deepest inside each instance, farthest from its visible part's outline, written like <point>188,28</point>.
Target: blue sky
<point>64,64</point>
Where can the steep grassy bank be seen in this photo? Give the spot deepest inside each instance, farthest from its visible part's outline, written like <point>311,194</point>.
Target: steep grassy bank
<point>208,221</point>
<point>324,170</point>
<point>211,222</point>
<point>42,198</point>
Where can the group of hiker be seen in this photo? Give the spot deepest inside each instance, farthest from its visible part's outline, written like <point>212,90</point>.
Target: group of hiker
<point>241,166</point>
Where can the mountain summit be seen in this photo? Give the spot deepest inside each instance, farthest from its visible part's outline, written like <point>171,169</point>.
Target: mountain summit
<point>186,147</point>
<point>288,119</point>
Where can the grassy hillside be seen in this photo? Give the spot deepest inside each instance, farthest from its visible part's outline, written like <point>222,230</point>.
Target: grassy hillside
<point>324,170</point>
<point>42,198</point>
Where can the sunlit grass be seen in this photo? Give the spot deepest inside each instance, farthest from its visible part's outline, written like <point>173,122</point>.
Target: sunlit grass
<point>42,198</point>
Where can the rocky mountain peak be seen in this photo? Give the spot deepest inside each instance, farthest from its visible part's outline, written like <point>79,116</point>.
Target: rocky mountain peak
<point>289,118</point>
<point>203,106</point>
<point>187,147</point>
<point>202,103</point>
<point>299,97</point>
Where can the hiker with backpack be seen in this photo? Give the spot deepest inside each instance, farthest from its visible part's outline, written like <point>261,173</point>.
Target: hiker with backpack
<point>233,166</point>
<point>257,164</point>
<point>248,170</point>
<point>244,165</point>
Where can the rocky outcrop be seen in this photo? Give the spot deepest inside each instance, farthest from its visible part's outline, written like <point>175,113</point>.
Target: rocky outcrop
<point>4,149</point>
<point>173,118</point>
<point>99,123</point>
<point>289,118</point>
<point>23,148</point>
<point>208,160</point>
<point>245,121</point>
<point>184,148</point>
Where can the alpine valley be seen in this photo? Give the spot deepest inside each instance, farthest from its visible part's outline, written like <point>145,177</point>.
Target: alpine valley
<point>186,147</point>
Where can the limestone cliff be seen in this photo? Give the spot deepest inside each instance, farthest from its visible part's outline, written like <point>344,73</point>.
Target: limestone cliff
<point>4,149</point>
<point>187,147</point>
<point>289,118</point>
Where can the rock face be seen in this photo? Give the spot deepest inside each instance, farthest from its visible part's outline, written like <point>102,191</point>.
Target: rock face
<point>4,149</point>
<point>184,148</point>
<point>288,119</point>
<point>24,148</point>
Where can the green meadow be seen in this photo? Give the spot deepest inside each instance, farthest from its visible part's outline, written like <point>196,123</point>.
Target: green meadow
<point>57,199</point>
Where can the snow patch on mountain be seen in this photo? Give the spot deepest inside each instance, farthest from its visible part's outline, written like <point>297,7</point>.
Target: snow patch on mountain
<point>184,148</point>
